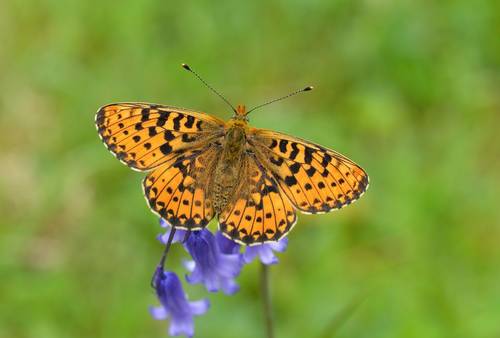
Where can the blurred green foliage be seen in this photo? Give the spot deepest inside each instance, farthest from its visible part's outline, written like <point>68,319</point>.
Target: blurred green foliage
<point>408,89</point>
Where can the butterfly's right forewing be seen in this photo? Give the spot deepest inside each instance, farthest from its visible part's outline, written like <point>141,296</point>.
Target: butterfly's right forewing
<point>314,178</point>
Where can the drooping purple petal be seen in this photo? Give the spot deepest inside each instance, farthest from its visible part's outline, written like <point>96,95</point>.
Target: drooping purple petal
<point>174,304</point>
<point>158,312</point>
<point>210,266</point>
<point>226,245</point>
<point>199,307</point>
<point>265,252</point>
<point>279,246</point>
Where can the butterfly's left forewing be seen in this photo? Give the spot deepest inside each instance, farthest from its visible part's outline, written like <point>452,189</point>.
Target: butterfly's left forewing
<point>144,135</point>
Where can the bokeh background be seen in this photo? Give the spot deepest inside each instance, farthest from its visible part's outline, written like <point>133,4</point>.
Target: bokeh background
<point>408,89</point>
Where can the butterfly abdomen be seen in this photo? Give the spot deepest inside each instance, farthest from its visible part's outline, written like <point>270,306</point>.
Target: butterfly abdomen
<point>228,170</point>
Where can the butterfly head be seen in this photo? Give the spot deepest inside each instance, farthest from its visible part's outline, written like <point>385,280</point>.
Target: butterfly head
<point>240,113</point>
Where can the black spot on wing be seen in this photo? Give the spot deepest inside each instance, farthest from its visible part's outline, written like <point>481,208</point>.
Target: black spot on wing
<point>198,125</point>
<point>152,131</point>
<point>295,167</point>
<point>282,145</point>
<point>308,152</point>
<point>168,135</point>
<point>290,181</point>
<point>277,160</point>
<point>295,151</point>
<point>189,121</point>
<point>162,119</point>
<point>186,138</point>
<point>177,122</point>
<point>144,114</point>
<point>165,148</point>
<point>310,172</point>
<point>326,160</point>
<point>273,144</point>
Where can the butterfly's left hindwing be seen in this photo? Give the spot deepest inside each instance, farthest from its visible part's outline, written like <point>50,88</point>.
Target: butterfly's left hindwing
<point>177,191</point>
<point>144,136</point>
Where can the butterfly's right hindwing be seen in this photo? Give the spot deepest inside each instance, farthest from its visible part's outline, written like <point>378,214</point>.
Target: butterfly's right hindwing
<point>258,212</point>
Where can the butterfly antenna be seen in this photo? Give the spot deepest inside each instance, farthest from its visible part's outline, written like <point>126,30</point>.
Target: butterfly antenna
<point>186,67</point>
<point>306,89</point>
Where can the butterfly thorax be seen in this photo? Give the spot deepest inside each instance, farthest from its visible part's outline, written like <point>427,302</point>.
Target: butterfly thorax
<point>229,166</point>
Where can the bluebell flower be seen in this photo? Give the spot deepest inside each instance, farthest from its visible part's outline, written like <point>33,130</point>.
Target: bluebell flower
<point>179,235</point>
<point>226,245</point>
<point>174,304</point>
<point>213,267</point>
<point>265,251</point>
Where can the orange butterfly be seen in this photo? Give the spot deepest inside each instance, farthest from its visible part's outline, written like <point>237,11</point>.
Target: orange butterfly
<point>252,179</point>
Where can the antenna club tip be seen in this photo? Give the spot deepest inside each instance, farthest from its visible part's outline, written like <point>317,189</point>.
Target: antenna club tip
<point>185,66</point>
<point>308,88</point>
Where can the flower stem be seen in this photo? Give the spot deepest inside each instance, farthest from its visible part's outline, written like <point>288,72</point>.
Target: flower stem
<point>266,301</point>
<point>167,246</point>
<point>164,255</point>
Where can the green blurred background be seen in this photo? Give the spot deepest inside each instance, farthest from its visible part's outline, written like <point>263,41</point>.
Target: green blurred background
<point>408,89</point>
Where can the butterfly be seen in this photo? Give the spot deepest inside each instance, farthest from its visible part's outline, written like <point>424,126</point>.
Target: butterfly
<point>200,167</point>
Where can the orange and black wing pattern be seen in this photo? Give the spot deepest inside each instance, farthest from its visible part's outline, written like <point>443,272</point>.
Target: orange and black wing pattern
<point>175,145</point>
<point>177,191</point>
<point>314,179</point>
<point>259,212</point>
<point>144,136</point>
